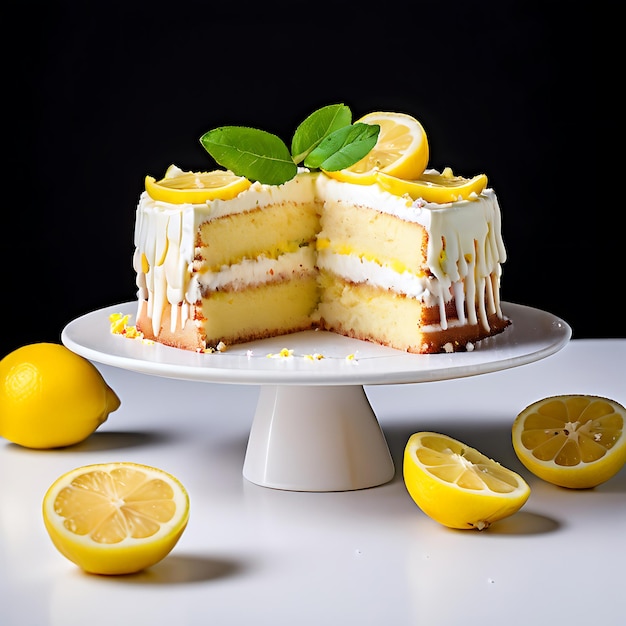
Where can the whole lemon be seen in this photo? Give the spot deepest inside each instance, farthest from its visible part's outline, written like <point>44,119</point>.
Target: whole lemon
<point>51,397</point>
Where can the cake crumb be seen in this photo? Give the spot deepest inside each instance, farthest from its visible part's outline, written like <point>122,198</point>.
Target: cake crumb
<point>133,333</point>
<point>221,347</point>
<point>118,323</point>
<point>285,353</point>
<point>119,326</point>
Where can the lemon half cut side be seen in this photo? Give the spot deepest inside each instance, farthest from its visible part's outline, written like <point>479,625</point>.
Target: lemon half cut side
<point>401,150</point>
<point>574,441</point>
<point>115,518</point>
<point>457,485</point>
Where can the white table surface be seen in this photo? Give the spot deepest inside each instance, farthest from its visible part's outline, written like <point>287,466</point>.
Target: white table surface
<point>254,555</point>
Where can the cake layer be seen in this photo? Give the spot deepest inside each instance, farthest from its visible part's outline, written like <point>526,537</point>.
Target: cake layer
<point>175,327</point>
<point>372,235</point>
<point>235,317</point>
<point>259,311</point>
<point>271,231</point>
<point>382,316</point>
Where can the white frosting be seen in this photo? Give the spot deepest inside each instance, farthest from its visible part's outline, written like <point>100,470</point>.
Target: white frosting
<point>252,271</point>
<point>465,248</point>
<point>360,270</point>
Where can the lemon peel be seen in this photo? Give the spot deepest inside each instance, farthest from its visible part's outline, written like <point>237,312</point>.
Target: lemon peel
<point>179,187</point>
<point>432,186</point>
<point>50,397</point>
<point>457,485</point>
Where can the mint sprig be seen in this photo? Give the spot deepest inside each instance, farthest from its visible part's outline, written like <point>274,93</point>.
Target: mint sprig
<point>326,140</point>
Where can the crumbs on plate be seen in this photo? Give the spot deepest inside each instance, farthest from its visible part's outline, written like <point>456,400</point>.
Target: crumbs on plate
<point>119,326</point>
<point>287,353</point>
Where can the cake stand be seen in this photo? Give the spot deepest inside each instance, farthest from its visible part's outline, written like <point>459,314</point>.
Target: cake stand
<point>314,428</point>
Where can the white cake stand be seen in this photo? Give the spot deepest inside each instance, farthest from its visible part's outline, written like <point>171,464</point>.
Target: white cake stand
<point>314,428</point>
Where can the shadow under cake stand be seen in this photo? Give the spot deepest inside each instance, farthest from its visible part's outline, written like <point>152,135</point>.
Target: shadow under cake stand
<point>314,428</point>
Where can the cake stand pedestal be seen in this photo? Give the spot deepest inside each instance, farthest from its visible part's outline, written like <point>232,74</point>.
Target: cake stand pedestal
<point>314,428</point>
<point>316,438</point>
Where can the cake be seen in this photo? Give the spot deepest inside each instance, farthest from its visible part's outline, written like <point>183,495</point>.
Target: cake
<point>375,261</point>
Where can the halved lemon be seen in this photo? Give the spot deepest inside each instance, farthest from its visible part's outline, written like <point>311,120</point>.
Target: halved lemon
<point>401,150</point>
<point>458,486</point>
<point>179,187</point>
<point>115,518</point>
<point>432,186</point>
<point>575,441</point>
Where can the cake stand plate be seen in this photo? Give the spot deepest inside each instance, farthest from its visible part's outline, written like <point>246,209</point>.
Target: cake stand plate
<point>314,429</point>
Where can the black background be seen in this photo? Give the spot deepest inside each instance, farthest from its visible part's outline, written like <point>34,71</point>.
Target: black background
<point>95,100</point>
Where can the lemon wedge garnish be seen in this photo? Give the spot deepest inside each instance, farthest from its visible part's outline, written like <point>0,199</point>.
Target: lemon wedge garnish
<point>401,150</point>
<point>458,486</point>
<point>179,187</point>
<point>115,518</point>
<point>434,187</point>
<point>575,441</point>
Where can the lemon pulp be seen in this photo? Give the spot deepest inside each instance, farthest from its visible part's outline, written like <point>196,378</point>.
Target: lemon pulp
<point>115,518</point>
<point>575,441</point>
<point>401,150</point>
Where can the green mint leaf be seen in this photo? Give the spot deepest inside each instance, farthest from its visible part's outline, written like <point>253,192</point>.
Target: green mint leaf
<point>343,147</point>
<point>316,127</point>
<point>255,154</point>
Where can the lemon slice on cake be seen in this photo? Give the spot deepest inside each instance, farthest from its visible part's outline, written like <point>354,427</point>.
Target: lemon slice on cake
<point>401,150</point>
<point>575,441</point>
<point>433,186</point>
<point>115,518</point>
<point>179,187</point>
<point>457,485</point>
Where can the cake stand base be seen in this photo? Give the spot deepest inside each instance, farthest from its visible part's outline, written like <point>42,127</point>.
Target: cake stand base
<point>316,438</point>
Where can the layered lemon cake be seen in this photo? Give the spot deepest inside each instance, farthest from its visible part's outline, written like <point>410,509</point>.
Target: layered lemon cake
<point>376,259</point>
